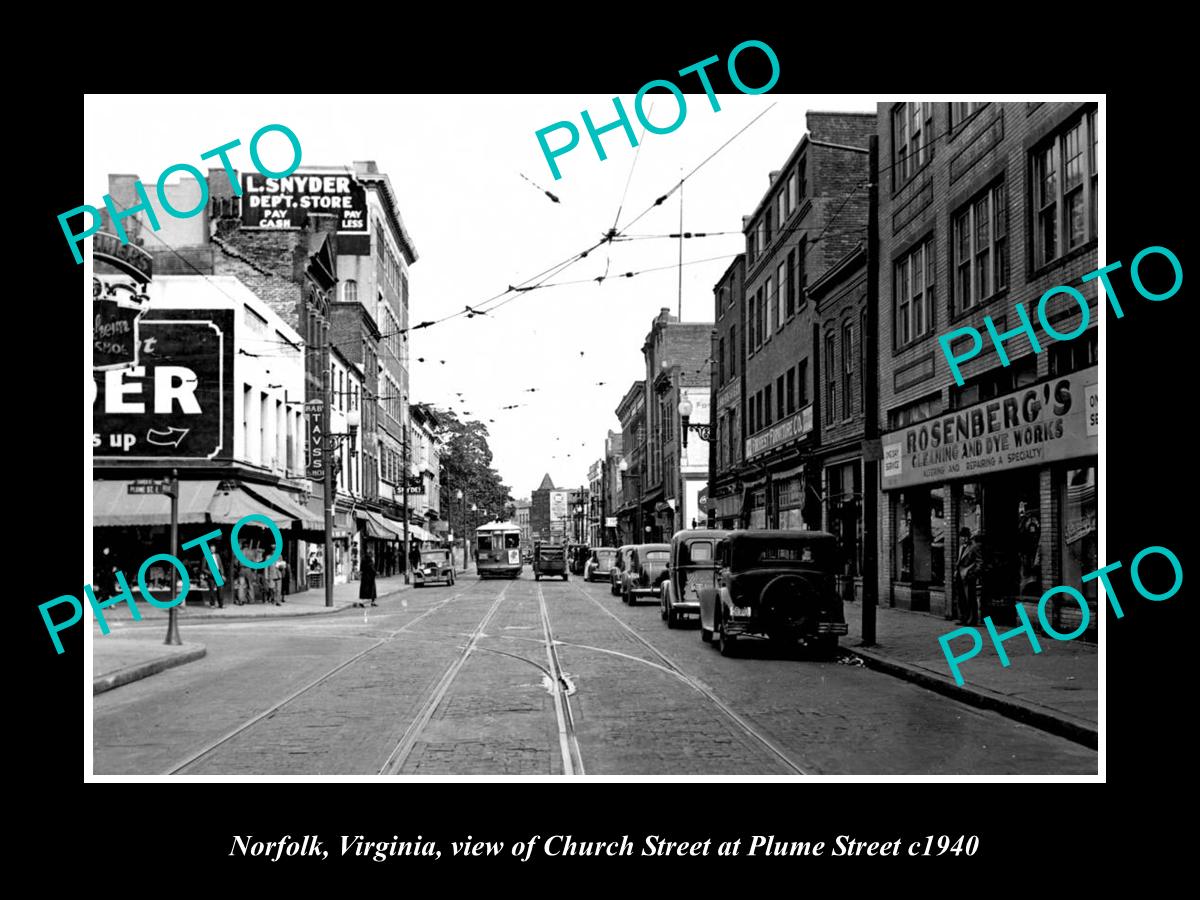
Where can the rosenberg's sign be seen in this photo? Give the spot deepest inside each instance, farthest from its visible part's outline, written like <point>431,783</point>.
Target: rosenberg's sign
<point>285,203</point>
<point>174,403</point>
<point>1058,419</point>
<point>794,426</point>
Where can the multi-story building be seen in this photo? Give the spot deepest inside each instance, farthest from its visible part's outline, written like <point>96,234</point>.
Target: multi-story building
<point>424,490</point>
<point>983,206</point>
<point>677,356</point>
<point>595,523</point>
<point>346,384</point>
<point>216,394</point>
<point>812,215</point>
<point>548,511</point>
<point>610,498</point>
<point>633,519</point>
<point>728,434</point>
<point>521,516</point>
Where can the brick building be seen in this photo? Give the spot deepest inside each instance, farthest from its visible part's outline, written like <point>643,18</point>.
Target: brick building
<point>542,525</point>
<point>677,366</point>
<point>632,517</point>
<point>812,216</point>
<point>983,206</point>
<point>728,436</point>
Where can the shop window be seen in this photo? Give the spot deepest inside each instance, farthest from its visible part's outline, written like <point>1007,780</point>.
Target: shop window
<point>1079,546</point>
<point>843,495</point>
<point>920,536</point>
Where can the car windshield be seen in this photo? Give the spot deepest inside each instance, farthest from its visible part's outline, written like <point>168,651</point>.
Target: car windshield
<point>748,553</point>
<point>606,556</point>
<point>512,541</point>
<point>697,553</point>
<point>658,558</point>
<point>435,555</point>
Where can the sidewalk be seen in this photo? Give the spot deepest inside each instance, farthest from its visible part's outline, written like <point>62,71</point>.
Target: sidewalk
<point>306,603</point>
<point>117,661</point>
<point>1055,690</point>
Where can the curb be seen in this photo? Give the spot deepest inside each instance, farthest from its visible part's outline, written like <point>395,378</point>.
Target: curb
<point>138,671</point>
<point>1069,727</point>
<point>259,617</point>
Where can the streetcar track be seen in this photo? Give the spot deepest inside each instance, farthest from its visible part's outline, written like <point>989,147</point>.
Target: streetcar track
<point>568,741</point>
<point>213,745</point>
<point>403,750</point>
<point>696,685</point>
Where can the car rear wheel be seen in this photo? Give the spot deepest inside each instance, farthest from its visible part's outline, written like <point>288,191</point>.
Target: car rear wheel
<point>564,576</point>
<point>726,642</point>
<point>537,576</point>
<point>706,634</point>
<point>627,598</point>
<point>672,618</point>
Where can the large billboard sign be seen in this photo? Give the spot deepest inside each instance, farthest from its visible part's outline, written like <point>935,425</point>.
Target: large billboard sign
<point>177,402</point>
<point>286,203</point>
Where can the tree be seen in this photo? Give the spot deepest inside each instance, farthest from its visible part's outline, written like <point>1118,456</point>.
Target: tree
<point>466,465</point>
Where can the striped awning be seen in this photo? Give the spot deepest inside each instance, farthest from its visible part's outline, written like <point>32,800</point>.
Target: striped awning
<point>114,506</point>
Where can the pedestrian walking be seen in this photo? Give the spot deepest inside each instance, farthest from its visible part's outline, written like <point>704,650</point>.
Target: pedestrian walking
<point>366,586</point>
<point>284,575</point>
<point>414,556</point>
<point>241,585</point>
<point>271,577</point>
<point>966,576</point>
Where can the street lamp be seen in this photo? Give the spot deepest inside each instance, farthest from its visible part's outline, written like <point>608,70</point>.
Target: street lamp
<point>623,466</point>
<point>685,413</point>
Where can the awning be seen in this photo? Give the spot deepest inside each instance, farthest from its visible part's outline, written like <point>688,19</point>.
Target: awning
<point>376,526</point>
<point>416,531</point>
<point>281,501</point>
<point>114,506</point>
<point>230,507</point>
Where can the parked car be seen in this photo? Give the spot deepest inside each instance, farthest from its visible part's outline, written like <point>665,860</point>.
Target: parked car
<point>646,571</point>
<point>436,565</point>
<point>577,556</point>
<point>600,564</point>
<point>692,568</point>
<point>780,584</point>
<point>620,563</point>
<point>549,559</point>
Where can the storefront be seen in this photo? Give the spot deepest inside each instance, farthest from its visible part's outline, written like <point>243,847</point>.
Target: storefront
<point>1021,471</point>
<point>842,493</point>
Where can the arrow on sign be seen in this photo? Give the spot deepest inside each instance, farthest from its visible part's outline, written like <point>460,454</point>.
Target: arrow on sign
<point>169,438</point>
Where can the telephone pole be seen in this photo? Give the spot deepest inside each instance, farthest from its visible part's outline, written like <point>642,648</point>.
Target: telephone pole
<point>871,449</point>
<point>326,463</point>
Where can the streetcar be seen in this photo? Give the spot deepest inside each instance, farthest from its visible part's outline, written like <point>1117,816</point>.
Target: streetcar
<point>498,550</point>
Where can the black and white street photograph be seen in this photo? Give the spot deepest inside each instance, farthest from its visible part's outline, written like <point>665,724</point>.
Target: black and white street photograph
<point>701,432</point>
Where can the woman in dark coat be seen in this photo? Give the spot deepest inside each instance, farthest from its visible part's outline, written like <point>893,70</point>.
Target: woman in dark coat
<point>366,584</point>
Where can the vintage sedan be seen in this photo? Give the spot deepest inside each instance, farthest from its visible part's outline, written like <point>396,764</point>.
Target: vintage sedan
<point>436,565</point>
<point>600,564</point>
<point>619,564</point>
<point>692,568</point>
<point>645,573</point>
<point>779,584</point>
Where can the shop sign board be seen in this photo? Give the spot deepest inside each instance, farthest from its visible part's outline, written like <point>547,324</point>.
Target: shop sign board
<point>1055,420</point>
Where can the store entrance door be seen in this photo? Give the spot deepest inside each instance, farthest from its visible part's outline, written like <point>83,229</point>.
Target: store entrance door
<point>1011,526</point>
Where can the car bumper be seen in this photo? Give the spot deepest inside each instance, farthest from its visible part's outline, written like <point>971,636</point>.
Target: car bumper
<point>688,608</point>
<point>752,625</point>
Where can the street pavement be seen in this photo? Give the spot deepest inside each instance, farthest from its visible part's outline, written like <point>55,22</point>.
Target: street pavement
<point>536,678</point>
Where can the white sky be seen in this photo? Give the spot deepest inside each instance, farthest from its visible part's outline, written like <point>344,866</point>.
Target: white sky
<point>478,227</point>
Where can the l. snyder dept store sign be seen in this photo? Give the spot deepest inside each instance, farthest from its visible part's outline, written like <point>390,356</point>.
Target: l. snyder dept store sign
<point>1054,420</point>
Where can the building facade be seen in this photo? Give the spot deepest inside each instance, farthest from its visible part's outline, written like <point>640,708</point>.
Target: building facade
<point>633,519</point>
<point>677,356</point>
<point>595,521</point>
<point>813,214</point>
<point>521,517</point>
<point>728,434</point>
<point>983,206</point>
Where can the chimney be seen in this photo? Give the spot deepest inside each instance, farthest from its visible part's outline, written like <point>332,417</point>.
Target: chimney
<point>771,177</point>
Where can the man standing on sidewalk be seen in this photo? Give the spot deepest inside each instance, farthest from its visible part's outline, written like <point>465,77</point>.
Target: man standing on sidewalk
<point>966,573</point>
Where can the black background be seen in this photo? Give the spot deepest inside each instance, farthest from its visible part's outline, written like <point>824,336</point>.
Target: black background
<point>1032,835</point>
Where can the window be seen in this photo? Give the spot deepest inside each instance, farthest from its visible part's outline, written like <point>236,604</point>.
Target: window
<point>917,411</point>
<point>762,235</point>
<point>783,210</point>
<point>847,368</point>
<point>801,252</point>
<point>912,133</point>
<point>767,405</point>
<point>721,300</point>
<point>1065,185</point>
<point>791,390</point>
<point>790,298</point>
<point>802,171</point>
<point>734,437</point>
<point>830,378</point>
<point>721,361</point>
<point>751,326</point>
<point>758,411</point>
<point>981,248</point>
<point>802,382</point>
<point>751,246</point>
<point>793,195</point>
<point>783,288</point>
<point>769,300</point>
<point>914,293</point>
<point>1071,356</point>
<point>919,533</point>
<point>960,112</point>
<point>733,351</point>
<point>779,398</point>
<point>768,232</point>
<point>350,291</point>
<point>759,312</point>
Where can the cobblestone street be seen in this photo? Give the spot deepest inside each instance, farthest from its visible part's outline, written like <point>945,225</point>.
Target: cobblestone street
<point>526,678</point>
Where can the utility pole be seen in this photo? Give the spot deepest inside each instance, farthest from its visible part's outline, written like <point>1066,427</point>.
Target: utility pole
<point>679,309</point>
<point>327,463</point>
<point>871,454</point>
<point>172,618</point>
<point>404,485</point>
